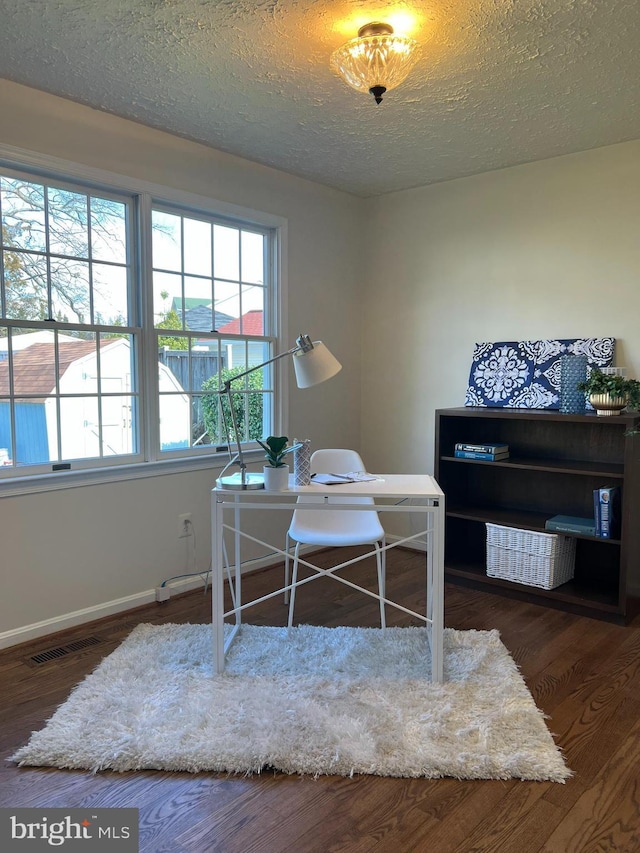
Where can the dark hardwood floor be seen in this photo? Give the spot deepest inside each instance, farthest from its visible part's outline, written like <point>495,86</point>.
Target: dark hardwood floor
<point>583,673</point>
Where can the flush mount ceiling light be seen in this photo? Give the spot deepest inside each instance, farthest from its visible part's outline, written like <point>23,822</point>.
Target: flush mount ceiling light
<point>376,61</point>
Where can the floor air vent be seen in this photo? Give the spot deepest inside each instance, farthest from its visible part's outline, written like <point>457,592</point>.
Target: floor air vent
<point>61,651</point>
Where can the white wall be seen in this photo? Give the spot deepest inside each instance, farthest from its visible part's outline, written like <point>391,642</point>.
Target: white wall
<point>79,549</point>
<point>545,250</point>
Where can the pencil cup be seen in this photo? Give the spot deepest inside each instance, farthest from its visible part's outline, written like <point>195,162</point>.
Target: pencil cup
<point>302,463</point>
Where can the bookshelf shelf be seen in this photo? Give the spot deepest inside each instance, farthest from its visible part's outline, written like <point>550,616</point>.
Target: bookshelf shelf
<point>567,466</point>
<point>555,463</point>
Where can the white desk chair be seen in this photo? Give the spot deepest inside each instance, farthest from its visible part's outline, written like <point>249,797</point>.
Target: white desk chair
<point>333,527</point>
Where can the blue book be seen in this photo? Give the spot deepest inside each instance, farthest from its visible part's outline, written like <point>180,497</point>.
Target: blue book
<point>596,513</point>
<point>608,498</point>
<point>476,454</point>
<point>489,447</point>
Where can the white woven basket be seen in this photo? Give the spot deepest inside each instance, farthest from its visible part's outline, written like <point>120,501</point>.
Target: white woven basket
<point>545,560</point>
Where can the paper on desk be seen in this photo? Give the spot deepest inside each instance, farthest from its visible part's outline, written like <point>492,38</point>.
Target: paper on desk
<point>329,479</point>
<point>336,479</point>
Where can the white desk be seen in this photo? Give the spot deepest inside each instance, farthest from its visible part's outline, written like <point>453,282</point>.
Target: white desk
<point>418,494</point>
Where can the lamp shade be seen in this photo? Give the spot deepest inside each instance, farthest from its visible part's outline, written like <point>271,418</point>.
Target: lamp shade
<point>315,366</point>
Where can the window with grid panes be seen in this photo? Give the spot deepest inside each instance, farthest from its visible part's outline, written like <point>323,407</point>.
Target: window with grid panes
<point>210,307</point>
<point>104,362</point>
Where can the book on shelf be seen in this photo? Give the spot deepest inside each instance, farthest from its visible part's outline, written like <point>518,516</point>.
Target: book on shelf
<point>596,512</point>
<point>571,524</point>
<point>606,512</point>
<point>478,454</point>
<point>489,447</point>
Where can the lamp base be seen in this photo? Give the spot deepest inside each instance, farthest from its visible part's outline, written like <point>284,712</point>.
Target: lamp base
<point>234,482</point>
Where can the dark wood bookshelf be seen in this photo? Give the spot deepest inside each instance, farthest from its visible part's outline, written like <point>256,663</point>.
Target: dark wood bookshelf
<point>556,461</point>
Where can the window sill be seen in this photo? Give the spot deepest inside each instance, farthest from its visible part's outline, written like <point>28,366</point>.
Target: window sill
<point>114,474</point>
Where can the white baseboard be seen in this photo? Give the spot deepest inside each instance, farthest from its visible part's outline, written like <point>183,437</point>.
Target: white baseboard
<point>69,620</point>
<point>88,614</point>
<point>118,605</point>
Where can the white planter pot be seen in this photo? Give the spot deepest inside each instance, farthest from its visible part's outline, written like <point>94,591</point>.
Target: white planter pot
<point>276,479</point>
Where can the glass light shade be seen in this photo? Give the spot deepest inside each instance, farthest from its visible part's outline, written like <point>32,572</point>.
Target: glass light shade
<point>381,59</point>
<point>315,366</point>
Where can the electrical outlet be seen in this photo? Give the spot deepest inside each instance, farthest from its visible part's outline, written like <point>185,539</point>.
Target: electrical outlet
<point>185,525</point>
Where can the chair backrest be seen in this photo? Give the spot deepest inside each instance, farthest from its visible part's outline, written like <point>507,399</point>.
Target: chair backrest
<point>335,461</point>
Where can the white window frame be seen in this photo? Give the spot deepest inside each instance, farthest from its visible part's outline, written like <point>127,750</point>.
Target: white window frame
<point>151,461</point>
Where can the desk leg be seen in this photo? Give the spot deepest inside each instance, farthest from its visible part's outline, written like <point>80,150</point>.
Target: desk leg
<point>217,585</point>
<point>429,523</point>
<point>437,592</point>
<point>238,560</point>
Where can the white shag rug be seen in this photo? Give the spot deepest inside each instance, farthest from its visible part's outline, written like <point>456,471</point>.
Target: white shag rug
<point>303,700</point>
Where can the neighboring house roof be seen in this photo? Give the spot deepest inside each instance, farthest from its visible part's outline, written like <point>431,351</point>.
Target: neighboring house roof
<point>189,302</point>
<point>252,324</point>
<point>222,319</point>
<point>34,369</point>
<point>27,339</point>
<point>199,319</point>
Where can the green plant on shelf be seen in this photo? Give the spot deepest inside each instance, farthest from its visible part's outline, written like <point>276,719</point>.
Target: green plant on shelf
<point>615,386</point>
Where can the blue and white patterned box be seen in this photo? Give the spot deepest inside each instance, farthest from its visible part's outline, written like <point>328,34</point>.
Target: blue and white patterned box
<point>526,374</point>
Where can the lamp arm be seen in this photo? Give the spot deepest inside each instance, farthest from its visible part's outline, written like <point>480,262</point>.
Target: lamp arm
<point>239,458</point>
<point>303,344</point>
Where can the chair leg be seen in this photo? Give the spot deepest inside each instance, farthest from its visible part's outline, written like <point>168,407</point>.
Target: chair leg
<point>294,578</point>
<point>382,580</point>
<point>287,548</point>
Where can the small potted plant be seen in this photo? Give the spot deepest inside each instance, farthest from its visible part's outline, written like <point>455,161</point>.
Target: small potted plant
<point>610,394</point>
<point>276,471</point>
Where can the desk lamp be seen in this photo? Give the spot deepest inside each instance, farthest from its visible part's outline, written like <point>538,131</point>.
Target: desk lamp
<point>313,364</point>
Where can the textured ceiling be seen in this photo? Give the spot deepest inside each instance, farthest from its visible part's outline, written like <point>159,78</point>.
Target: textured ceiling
<point>500,82</point>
